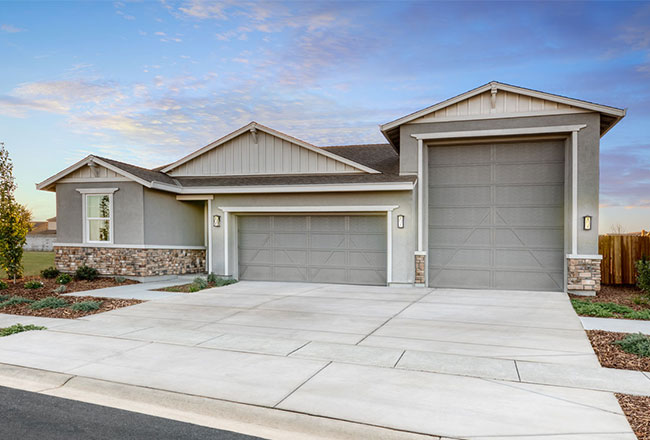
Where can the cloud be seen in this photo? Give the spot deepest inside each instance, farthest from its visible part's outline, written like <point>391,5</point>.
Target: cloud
<point>625,176</point>
<point>10,29</point>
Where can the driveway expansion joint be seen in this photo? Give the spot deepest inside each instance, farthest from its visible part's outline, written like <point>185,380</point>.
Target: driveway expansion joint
<point>303,383</point>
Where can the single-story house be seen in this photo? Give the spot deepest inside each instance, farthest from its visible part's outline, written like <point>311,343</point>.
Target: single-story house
<point>42,236</point>
<point>495,188</point>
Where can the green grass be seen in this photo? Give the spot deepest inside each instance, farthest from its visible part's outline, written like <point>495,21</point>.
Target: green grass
<point>34,263</point>
<point>17,328</point>
<point>608,310</point>
<point>636,343</point>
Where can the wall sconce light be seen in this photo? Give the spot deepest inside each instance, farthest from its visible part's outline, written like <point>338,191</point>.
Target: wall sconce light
<point>400,222</point>
<point>216,221</point>
<point>586,223</point>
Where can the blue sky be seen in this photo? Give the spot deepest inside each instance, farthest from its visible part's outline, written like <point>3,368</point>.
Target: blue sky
<point>150,81</point>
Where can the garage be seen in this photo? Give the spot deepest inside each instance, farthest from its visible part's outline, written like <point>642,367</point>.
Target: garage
<point>346,249</point>
<point>496,215</point>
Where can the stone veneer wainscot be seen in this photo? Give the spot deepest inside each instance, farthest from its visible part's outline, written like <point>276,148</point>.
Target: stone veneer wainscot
<point>583,275</point>
<point>130,261</point>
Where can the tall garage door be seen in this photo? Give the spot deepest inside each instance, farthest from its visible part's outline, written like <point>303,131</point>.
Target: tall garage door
<point>346,249</point>
<point>496,216</point>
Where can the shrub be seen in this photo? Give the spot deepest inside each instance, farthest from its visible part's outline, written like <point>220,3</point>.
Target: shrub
<point>63,278</point>
<point>51,302</point>
<point>194,288</point>
<point>120,280</point>
<point>50,272</point>
<point>642,300</point>
<point>4,298</point>
<point>638,314</point>
<point>643,275</point>
<point>200,282</point>
<point>86,306</point>
<point>218,281</point>
<point>636,343</point>
<point>86,273</point>
<point>599,309</point>
<point>3,285</point>
<point>17,328</point>
<point>60,289</point>
<point>212,278</point>
<point>15,300</point>
<point>33,284</point>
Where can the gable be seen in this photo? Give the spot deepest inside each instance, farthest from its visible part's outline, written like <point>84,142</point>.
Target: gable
<point>499,103</point>
<point>258,150</point>
<point>96,172</point>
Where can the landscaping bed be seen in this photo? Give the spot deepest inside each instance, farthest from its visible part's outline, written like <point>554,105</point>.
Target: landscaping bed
<point>611,355</point>
<point>637,411</point>
<point>14,293</point>
<point>627,302</point>
<point>199,284</point>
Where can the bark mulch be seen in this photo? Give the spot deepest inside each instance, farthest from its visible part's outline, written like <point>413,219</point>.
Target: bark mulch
<point>637,411</point>
<point>47,290</point>
<point>613,356</point>
<point>623,295</point>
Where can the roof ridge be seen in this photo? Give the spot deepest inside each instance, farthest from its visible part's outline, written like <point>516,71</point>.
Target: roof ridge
<point>129,164</point>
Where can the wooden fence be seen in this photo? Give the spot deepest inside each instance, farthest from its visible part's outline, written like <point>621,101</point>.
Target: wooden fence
<point>620,253</point>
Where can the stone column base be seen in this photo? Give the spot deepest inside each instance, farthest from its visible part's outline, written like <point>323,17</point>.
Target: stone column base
<point>420,268</point>
<point>583,275</point>
<point>130,261</point>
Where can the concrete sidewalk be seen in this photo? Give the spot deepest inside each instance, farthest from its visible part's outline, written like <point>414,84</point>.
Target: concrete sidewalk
<point>616,325</point>
<point>144,291</point>
<point>457,364</point>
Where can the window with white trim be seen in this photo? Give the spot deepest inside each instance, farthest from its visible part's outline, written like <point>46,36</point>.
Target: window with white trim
<point>99,218</point>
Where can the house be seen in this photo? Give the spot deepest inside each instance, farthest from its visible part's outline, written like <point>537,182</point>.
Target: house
<point>494,188</point>
<point>42,236</point>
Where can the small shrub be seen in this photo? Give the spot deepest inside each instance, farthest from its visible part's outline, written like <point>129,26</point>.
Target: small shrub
<point>60,289</point>
<point>17,328</point>
<point>33,284</point>
<point>120,280</point>
<point>15,300</point>
<point>638,314</point>
<point>3,285</point>
<point>598,309</point>
<point>194,288</point>
<point>200,282</point>
<point>51,302</point>
<point>86,306</point>
<point>50,272</point>
<point>643,275</point>
<point>224,282</point>
<point>63,278</point>
<point>636,343</point>
<point>4,298</point>
<point>641,300</point>
<point>212,278</point>
<point>86,273</point>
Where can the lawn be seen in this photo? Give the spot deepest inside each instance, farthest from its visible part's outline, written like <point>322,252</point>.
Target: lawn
<point>34,263</point>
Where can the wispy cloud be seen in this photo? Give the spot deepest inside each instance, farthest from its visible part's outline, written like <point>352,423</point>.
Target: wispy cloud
<point>10,29</point>
<point>625,176</point>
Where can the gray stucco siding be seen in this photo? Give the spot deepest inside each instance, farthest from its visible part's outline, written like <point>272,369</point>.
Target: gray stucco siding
<point>588,159</point>
<point>170,222</point>
<point>127,211</point>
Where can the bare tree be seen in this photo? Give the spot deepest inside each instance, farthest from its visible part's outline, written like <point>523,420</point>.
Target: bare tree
<point>617,229</point>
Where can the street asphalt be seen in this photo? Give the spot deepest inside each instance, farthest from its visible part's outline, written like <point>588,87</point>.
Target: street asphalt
<point>27,416</point>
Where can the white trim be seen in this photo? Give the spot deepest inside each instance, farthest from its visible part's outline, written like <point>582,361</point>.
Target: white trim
<point>584,257</point>
<point>194,197</point>
<point>420,183</point>
<point>248,189</point>
<point>93,179</point>
<point>574,192</point>
<point>125,246</point>
<point>498,132</point>
<point>500,116</point>
<point>420,253</point>
<point>270,131</point>
<point>208,256</point>
<point>309,209</point>
<point>389,247</point>
<point>226,244</point>
<point>612,111</point>
<point>96,190</point>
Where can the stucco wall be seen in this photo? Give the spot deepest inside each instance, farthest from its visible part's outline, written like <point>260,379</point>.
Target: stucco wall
<point>168,221</point>
<point>403,239</point>
<point>588,158</point>
<point>127,212</point>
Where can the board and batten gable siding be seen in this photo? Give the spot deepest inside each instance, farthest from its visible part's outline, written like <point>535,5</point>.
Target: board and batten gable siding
<point>270,155</point>
<point>86,172</point>
<point>506,103</point>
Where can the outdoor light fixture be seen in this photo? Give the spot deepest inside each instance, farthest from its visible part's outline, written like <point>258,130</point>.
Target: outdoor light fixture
<point>586,223</point>
<point>216,221</point>
<point>400,222</point>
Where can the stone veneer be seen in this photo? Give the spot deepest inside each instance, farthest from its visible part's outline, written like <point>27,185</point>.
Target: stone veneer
<point>419,269</point>
<point>130,261</point>
<point>583,275</point>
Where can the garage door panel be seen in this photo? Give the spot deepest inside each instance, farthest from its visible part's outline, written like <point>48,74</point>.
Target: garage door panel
<point>505,230</point>
<point>341,249</point>
<point>470,174</point>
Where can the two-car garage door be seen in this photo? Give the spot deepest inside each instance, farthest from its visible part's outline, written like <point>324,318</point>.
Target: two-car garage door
<point>496,217</point>
<point>347,249</point>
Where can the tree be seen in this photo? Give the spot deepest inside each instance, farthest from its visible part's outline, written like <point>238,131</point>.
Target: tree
<point>15,220</point>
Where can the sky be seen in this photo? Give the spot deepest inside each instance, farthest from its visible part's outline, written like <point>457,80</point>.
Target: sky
<point>148,82</point>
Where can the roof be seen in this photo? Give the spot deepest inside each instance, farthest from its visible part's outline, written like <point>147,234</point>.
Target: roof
<point>39,228</point>
<point>609,115</point>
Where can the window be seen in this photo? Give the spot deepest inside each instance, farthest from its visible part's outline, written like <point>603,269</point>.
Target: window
<point>98,218</point>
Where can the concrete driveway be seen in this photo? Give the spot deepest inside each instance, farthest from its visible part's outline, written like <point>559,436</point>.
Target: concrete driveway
<point>451,363</point>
